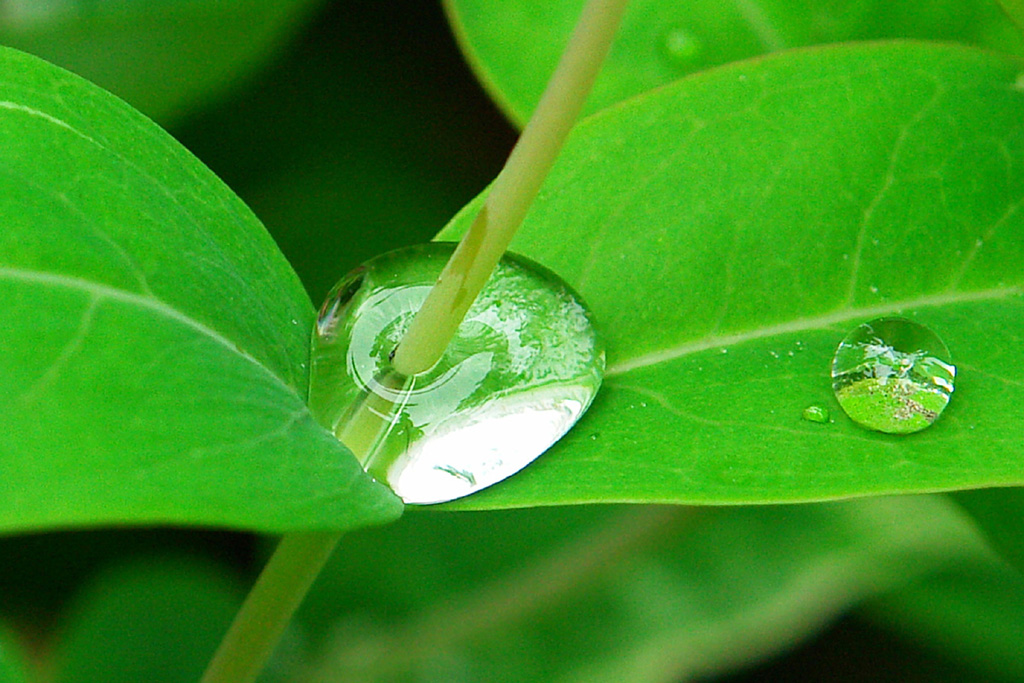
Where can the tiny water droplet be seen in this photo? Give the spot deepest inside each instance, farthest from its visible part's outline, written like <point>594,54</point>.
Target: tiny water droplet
<point>523,367</point>
<point>680,47</point>
<point>816,414</point>
<point>893,375</point>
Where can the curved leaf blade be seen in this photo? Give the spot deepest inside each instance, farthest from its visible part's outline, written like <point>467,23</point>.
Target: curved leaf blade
<point>155,344</point>
<point>730,229</point>
<point>514,46</point>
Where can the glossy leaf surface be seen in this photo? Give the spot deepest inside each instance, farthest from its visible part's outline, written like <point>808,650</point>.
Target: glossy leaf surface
<point>729,230</point>
<point>612,594</point>
<point>162,57</point>
<point>514,46</point>
<point>155,341</point>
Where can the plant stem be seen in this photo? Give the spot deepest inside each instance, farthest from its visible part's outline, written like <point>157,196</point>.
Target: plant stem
<point>296,562</point>
<point>269,607</point>
<point>299,557</point>
<point>512,192</point>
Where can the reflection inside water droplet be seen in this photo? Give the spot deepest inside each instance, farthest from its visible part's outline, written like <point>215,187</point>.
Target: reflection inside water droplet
<point>816,414</point>
<point>523,367</point>
<point>893,375</point>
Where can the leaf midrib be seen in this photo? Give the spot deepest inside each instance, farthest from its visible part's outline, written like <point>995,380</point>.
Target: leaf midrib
<point>842,315</point>
<point>104,292</point>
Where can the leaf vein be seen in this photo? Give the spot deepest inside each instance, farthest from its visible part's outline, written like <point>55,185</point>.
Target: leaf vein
<point>161,308</point>
<point>842,315</point>
<point>887,185</point>
<point>14,106</point>
<point>66,353</point>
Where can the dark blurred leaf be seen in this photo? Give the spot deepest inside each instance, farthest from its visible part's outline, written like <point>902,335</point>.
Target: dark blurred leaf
<point>974,616</point>
<point>999,513</point>
<point>1015,10</point>
<point>513,45</point>
<point>369,136</point>
<point>612,594</point>
<point>163,57</point>
<point>151,621</point>
<point>13,667</point>
<point>40,572</point>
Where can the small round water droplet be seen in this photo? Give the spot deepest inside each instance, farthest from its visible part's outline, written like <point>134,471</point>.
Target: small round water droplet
<point>816,414</point>
<point>893,375</point>
<point>523,367</point>
<point>681,48</point>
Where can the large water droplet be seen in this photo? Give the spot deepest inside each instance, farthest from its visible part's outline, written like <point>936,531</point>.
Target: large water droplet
<point>893,375</point>
<point>523,367</point>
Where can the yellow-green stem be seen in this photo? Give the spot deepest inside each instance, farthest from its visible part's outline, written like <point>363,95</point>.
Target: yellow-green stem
<point>512,192</point>
<point>269,607</point>
<point>299,557</point>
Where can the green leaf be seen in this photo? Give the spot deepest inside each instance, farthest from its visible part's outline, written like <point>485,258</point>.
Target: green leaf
<point>998,513</point>
<point>730,229</point>
<point>973,615</point>
<point>612,594</point>
<point>13,667</point>
<point>155,341</point>
<point>162,57</point>
<point>514,46</point>
<point>157,619</point>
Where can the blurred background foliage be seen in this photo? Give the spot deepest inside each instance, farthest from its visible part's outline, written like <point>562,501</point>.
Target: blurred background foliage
<point>352,128</point>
